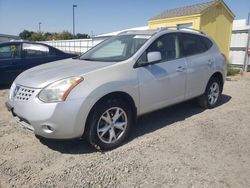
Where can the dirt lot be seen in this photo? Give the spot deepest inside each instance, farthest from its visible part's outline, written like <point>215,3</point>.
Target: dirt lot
<point>181,146</point>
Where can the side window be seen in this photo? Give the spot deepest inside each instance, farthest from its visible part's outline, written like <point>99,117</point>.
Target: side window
<point>167,45</point>
<point>35,50</point>
<point>53,52</point>
<point>208,43</point>
<point>192,44</point>
<point>11,51</point>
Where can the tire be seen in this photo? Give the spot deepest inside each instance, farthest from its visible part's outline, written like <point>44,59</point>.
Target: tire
<point>103,130</point>
<point>212,94</point>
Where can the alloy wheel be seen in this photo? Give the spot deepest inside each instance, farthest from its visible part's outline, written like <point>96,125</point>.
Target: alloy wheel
<point>112,125</point>
<point>214,92</point>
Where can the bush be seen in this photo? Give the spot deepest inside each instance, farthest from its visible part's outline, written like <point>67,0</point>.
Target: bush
<point>40,36</point>
<point>231,71</point>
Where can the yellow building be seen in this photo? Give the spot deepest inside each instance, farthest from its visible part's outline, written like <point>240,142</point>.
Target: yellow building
<point>214,18</point>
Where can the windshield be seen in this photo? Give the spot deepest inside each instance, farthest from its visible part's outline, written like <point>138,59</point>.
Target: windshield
<point>116,49</point>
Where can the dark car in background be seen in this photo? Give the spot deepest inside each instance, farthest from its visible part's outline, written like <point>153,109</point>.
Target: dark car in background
<point>18,56</point>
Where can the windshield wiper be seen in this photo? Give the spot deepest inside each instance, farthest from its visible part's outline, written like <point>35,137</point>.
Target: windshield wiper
<point>87,59</point>
<point>77,57</point>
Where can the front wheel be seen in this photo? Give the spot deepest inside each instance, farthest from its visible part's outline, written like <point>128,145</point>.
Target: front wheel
<point>109,124</point>
<point>212,94</point>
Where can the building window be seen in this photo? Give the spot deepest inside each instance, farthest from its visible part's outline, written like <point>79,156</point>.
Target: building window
<point>187,25</point>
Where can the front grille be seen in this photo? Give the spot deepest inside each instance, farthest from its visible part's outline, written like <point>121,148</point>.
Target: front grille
<point>22,93</point>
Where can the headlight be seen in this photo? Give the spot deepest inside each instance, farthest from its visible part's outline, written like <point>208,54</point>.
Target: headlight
<point>12,89</point>
<point>59,90</point>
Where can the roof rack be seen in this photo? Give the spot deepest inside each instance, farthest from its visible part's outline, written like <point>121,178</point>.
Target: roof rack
<point>179,28</point>
<point>133,30</point>
<point>128,31</point>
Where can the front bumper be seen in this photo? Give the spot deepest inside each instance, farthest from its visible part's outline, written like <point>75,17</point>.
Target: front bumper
<point>7,104</point>
<point>62,120</point>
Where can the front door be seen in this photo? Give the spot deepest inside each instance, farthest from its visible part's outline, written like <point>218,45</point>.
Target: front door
<point>10,62</point>
<point>163,83</point>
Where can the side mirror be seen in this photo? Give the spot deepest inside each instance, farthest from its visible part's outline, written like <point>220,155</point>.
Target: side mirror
<point>154,57</point>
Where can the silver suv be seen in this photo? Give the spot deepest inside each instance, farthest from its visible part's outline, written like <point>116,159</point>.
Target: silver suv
<point>100,94</point>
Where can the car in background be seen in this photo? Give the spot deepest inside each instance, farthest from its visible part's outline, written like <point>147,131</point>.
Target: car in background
<point>18,56</point>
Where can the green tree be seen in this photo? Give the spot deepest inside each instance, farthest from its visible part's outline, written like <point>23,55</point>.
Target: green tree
<point>37,36</point>
<point>82,36</point>
<point>26,35</point>
<point>65,35</point>
<point>48,36</point>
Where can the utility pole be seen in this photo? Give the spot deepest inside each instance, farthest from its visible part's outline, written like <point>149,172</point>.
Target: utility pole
<point>248,20</point>
<point>39,27</point>
<point>246,59</point>
<point>74,6</point>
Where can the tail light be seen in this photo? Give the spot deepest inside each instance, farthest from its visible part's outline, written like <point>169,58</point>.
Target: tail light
<point>224,57</point>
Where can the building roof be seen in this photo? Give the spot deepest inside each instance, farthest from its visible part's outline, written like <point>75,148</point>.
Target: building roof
<point>9,36</point>
<point>5,38</point>
<point>187,10</point>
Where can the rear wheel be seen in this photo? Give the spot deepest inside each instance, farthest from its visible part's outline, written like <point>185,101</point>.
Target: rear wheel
<point>212,94</point>
<point>109,124</point>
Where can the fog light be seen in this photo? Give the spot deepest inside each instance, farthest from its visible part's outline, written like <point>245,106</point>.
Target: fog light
<point>47,128</point>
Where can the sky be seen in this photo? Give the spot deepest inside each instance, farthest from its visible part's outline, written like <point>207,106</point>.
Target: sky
<point>91,16</point>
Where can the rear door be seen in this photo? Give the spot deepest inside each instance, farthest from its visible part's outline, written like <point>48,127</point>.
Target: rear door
<point>10,62</point>
<point>199,63</point>
<point>37,54</point>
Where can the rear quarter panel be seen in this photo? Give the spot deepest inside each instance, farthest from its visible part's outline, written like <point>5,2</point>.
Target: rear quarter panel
<point>220,64</point>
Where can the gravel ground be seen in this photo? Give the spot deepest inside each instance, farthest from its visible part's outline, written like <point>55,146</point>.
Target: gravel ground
<point>181,146</point>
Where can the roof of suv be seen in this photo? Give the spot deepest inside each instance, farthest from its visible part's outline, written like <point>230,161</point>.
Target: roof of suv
<point>138,32</point>
<point>152,32</point>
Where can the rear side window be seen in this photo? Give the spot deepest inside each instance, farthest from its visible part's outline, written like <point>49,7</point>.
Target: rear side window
<point>208,43</point>
<point>54,52</point>
<point>192,44</point>
<point>36,50</point>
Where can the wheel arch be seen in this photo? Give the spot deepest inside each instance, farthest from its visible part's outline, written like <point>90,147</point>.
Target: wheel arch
<point>219,76</point>
<point>116,94</point>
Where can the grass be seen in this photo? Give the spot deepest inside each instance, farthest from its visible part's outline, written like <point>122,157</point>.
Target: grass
<point>231,71</point>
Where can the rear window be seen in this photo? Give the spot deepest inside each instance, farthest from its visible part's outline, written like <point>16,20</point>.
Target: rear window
<point>192,44</point>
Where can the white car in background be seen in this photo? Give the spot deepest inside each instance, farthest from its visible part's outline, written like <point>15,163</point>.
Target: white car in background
<point>100,94</point>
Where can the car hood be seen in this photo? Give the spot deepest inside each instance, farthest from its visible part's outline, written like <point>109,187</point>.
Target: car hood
<point>41,76</point>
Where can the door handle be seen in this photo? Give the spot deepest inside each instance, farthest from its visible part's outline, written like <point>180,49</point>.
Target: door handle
<point>180,69</point>
<point>210,62</point>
